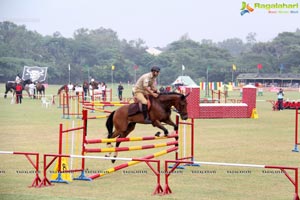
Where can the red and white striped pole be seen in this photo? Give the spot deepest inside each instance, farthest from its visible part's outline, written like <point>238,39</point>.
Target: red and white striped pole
<point>35,165</point>
<point>132,161</point>
<point>294,180</point>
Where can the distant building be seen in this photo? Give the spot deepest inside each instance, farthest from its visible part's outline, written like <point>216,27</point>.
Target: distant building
<point>153,51</point>
<point>270,79</point>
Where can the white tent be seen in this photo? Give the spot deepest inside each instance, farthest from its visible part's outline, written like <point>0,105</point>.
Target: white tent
<point>185,81</point>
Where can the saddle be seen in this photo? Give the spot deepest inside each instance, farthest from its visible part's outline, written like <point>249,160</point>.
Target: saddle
<point>136,108</point>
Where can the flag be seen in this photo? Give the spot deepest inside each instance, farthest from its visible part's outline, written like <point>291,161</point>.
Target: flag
<point>233,67</point>
<point>69,67</point>
<point>112,67</point>
<point>183,67</point>
<point>35,73</point>
<point>259,66</point>
<point>208,68</point>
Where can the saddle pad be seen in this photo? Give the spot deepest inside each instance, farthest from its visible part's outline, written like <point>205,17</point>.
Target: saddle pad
<point>133,109</point>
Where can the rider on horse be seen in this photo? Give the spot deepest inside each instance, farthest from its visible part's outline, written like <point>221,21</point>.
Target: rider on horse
<point>145,86</point>
<point>18,79</point>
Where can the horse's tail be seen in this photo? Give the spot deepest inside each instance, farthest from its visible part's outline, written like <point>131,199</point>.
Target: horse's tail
<point>110,124</point>
<point>6,86</point>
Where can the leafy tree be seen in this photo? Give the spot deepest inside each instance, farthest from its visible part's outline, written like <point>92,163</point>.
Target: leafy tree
<point>95,51</point>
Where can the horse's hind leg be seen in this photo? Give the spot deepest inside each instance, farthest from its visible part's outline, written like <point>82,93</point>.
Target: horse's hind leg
<point>109,145</point>
<point>130,128</point>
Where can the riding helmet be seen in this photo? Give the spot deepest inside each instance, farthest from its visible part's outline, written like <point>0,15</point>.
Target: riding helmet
<point>155,68</point>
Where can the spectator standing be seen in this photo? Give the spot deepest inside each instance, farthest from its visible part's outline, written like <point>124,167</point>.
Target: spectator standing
<point>161,89</point>
<point>280,96</point>
<point>31,90</point>
<point>120,91</point>
<point>260,91</point>
<point>19,89</point>
<point>103,90</point>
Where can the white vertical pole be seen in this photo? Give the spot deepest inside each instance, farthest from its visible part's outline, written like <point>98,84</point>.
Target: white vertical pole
<point>69,74</point>
<point>72,147</point>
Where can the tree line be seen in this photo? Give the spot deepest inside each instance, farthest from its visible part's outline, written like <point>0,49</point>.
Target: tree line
<point>94,52</point>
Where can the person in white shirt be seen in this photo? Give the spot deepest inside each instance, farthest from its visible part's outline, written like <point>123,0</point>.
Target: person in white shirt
<point>280,95</point>
<point>31,89</point>
<point>18,79</point>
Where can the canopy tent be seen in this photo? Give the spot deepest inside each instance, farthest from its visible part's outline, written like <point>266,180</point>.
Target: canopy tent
<point>185,81</point>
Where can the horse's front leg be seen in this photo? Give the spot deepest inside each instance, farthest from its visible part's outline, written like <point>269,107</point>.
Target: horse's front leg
<point>157,124</point>
<point>171,123</point>
<point>109,145</point>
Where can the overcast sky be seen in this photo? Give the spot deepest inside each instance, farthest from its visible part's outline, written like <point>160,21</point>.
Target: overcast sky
<point>157,22</point>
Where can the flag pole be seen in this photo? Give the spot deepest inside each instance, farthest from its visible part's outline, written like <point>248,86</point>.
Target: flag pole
<point>89,74</point>
<point>207,87</point>
<point>232,72</point>
<point>69,74</point>
<point>112,75</point>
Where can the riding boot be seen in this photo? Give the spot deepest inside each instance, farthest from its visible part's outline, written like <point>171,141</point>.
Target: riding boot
<point>145,113</point>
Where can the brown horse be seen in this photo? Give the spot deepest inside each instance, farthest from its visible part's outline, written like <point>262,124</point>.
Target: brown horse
<point>160,111</point>
<point>40,90</point>
<point>64,87</point>
<point>94,85</point>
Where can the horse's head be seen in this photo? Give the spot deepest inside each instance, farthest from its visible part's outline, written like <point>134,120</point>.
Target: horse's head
<point>64,87</point>
<point>27,82</point>
<point>94,85</point>
<point>181,106</point>
<point>178,101</point>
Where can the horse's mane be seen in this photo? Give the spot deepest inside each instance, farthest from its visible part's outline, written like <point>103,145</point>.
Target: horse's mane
<point>164,95</point>
<point>27,81</point>
<point>170,93</point>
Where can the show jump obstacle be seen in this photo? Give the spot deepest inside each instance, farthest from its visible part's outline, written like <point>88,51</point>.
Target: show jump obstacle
<point>199,110</point>
<point>284,169</point>
<point>296,130</point>
<point>36,180</point>
<point>182,145</point>
<point>243,110</point>
<point>185,153</point>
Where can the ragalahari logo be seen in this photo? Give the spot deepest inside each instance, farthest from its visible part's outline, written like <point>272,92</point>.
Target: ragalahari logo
<point>246,8</point>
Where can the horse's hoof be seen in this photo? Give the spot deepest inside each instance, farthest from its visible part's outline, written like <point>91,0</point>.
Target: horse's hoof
<point>113,161</point>
<point>157,134</point>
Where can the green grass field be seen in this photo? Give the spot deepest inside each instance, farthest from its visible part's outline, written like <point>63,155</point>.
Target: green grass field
<point>267,140</point>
